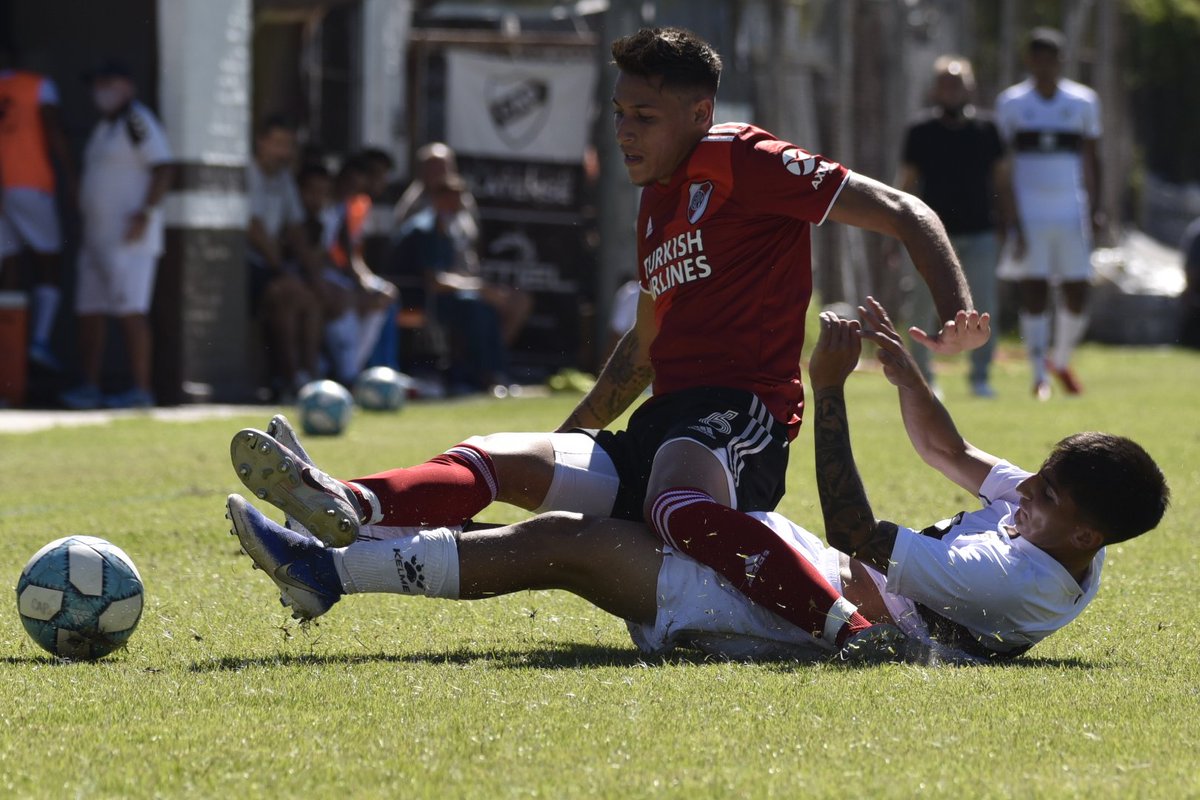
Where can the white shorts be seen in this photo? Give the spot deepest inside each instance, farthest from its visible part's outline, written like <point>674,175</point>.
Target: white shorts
<point>29,218</point>
<point>117,280</point>
<point>697,608</point>
<point>1059,252</point>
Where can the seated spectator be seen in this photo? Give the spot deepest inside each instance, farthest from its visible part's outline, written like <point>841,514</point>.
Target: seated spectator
<point>284,271</point>
<point>435,163</point>
<point>358,302</point>
<point>480,318</point>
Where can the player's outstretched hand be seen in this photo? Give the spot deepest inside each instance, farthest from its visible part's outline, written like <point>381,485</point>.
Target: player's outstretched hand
<point>837,351</point>
<point>899,366</point>
<point>968,330</point>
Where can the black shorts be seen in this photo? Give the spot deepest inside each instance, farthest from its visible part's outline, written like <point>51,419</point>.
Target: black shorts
<point>733,423</point>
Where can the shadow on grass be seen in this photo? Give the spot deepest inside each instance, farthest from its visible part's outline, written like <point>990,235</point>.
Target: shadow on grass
<point>566,656</point>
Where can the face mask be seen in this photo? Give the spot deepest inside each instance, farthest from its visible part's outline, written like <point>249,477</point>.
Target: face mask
<point>108,98</point>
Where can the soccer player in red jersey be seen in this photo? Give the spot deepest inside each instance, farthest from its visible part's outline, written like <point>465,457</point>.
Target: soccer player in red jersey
<point>726,272</point>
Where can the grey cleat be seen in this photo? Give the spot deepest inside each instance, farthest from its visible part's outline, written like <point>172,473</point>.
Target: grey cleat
<point>324,506</point>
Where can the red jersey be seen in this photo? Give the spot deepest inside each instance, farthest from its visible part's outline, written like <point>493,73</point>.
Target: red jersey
<point>725,249</point>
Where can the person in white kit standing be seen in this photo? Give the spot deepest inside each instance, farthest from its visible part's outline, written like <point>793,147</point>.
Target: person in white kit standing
<point>1053,127</point>
<point>126,173</point>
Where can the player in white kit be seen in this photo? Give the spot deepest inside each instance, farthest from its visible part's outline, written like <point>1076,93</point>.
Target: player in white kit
<point>1052,126</point>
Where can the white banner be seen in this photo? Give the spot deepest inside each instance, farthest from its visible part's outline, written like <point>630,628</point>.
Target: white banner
<point>521,109</point>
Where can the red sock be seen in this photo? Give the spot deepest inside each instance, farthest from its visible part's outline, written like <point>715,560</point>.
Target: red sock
<point>756,561</point>
<point>447,489</point>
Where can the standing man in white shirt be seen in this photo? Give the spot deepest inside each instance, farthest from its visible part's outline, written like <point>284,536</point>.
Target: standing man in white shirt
<point>1053,128</point>
<point>126,172</point>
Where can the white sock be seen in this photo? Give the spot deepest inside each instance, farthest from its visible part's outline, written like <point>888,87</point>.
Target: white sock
<point>1035,330</point>
<point>368,334</point>
<point>1069,329</point>
<point>45,306</point>
<point>341,336</point>
<point>421,564</point>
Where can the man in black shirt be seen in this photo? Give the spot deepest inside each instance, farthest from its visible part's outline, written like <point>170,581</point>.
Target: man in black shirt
<point>954,160</point>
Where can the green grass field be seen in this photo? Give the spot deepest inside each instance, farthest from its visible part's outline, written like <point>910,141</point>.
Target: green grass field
<point>220,694</point>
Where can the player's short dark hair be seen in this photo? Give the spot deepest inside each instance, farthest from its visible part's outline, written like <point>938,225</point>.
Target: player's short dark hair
<point>1116,485</point>
<point>679,57</point>
<point>1048,40</point>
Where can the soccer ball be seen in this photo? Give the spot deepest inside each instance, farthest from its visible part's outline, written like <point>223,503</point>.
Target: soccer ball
<point>80,597</point>
<point>325,408</point>
<point>381,389</point>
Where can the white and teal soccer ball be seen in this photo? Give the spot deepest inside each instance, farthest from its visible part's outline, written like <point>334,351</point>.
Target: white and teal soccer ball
<point>80,597</point>
<point>325,408</point>
<point>381,389</point>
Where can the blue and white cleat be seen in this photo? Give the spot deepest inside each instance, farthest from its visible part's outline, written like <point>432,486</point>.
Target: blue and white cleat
<point>320,504</point>
<point>300,567</point>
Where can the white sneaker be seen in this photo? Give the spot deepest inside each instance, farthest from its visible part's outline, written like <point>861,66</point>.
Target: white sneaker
<point>324,506</point>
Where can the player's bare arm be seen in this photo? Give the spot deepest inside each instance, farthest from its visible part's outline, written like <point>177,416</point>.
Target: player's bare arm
<point>874,206</point>
<point>627,373</point>
<point>927,422</point>
<point>850,524</point>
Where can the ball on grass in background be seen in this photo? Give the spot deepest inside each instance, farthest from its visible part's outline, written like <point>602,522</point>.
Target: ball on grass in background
<point>325,408</point>
<point>80,597</point>
<point>381,389</point>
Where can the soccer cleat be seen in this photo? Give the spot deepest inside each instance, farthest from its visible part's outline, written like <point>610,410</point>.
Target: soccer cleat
<point>130,398</point>
<point>880,644</point>
<point>1065,376</point>
<point>282,431</point>
<point>325,507</point>
<point>1041,391</point>
<point>300,567</point>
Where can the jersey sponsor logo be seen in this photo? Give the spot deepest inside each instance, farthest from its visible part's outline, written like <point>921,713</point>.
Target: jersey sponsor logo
<point>797,162</point>
<point>716,421</point>
<point>699,193</point>
<point>680,259</point>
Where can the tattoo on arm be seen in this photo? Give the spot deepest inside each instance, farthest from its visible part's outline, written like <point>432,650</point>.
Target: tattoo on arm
<point>621,381</point>
<point>850,525</point>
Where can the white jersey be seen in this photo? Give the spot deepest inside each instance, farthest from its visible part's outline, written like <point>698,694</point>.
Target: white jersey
<point>117,166</point>
<point>972,570</point>
<point>982,584</point>
<point>1047,138</point>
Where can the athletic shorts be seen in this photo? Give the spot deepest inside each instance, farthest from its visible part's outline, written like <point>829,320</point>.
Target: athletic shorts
<point>699,609</point>
<point>1059,252</point>
<point>29,218</point>
<point>117,280</point>
<point>732,423</point>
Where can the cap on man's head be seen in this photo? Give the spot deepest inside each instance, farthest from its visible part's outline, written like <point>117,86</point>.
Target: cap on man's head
<point>109,68</point>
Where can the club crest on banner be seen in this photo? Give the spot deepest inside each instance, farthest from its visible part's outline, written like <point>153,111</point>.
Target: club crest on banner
<point>518,108</point>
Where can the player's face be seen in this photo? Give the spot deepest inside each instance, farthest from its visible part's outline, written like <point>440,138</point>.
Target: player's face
<point>1047,516</point>
<point>1044,65</point>
<point>656,128</point>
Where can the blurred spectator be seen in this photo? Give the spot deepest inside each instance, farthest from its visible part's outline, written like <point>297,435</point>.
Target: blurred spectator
<point>31,140</point>
<point>284,270</point>
<point>358,302</point>
<point>126,173</point>
<point>1053,127</point>
<point>435,163</point>
<point>955,161</point>
<point>480,318</point>
<point>1190,335</point>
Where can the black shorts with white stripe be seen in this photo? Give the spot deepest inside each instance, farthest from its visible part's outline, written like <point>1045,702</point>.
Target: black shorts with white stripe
<point>732,422</point>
